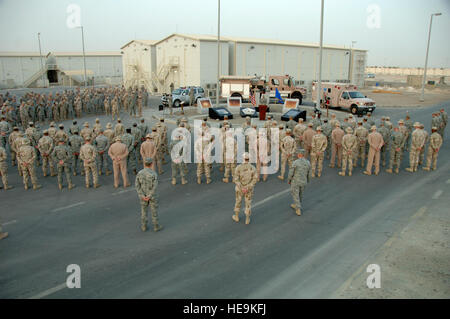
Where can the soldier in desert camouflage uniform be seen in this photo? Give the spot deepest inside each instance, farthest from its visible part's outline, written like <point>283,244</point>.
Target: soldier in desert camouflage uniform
<point>88,154</point>
<point>349,143</point>
<point>433,149</point>
<point>245,179</point>
<point>288,147</point>
<point>299,176</point>
<point>101,142</point>
<point>318,146</point>
<point>45,146</point>
<point>229,155</point>
<point>61,156</point>
<point>146,184</point>
<point>177,162</point>
<point>26,157</point>
<point>361,136</point>
<point>396,150</point>
<point>203,148</point>
<point>4,169</point>
<point>417,144</point>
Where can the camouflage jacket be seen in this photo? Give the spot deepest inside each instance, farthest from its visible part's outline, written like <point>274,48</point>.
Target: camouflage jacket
<point>300,172</point>
<point>245,176</point>
<point>128,140</point>
<point>435,140</point>
<point>75,142</point>
<point>146,183</point>
<point>397,140</point>
<point>88,153</point>
<point>101,143</point>
<point>45,145</point>
<point>61,153</point>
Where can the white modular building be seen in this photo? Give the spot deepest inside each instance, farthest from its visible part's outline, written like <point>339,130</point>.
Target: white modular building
<point>300,60</point>
<point>18,69</point>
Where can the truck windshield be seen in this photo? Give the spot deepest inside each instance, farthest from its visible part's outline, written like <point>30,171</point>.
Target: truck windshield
<point>356,95</point>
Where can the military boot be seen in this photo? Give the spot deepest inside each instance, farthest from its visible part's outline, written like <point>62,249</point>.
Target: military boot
<point>174,181</point>
<point>409,169</point>
<point>298,212</point>
<point>87,186</point>
<point>25,186</point>
<point>313,175</point>
<point>264,178</point>
<point>45,174</point>
<point>36,186</point>
<point>281,178</point>
<point>71,186</point>
<point>225,180</point>
<point>319,173</point>
<point>60,187</point>
<point>397,170</point>
<point>74,173</point>
<point>3,235</point>
<point>367,173</point>
<point>208,180</point>
<point>7,187</point>
<point>108,172</point>
<point>236,217</point>
<point>342,173</point>
<point>97,185</point>
<point>144,227</point>
<point>426,169</point>
<point>389,170</point>
<point>157,228</point>
<point>349,173</point>
<point>199,180</point>
<point>100,173</point>
<point>247,219</point>
<point>293,206</point>
<point>183,181</point>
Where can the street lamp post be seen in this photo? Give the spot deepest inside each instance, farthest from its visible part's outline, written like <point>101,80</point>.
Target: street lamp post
<point>84,56</point>
<point>40,56</point>
<point>319,82</point>
<point>422,96</point>
<point>218,53</point>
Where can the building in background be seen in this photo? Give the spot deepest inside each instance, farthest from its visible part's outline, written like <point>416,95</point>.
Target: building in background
<point>19,70</point>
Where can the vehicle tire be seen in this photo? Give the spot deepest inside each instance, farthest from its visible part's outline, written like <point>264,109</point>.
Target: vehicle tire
<point>354,109</point>
<point>176,103</point>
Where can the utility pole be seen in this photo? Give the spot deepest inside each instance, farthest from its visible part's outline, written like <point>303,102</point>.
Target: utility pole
<point>218,53</point>
<point>422,95</point>
<point>84,56</point>
<point>319,82</point>
<point>40,56</point>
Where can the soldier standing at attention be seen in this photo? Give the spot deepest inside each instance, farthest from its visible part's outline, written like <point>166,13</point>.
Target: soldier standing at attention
<point>88,154</point>
<point>177,162</point>
<point>375,141</point>
<point>26,157</point>
<point>245,180</point>
<point>361,136</point>
<point>4,170</point>
<point>318,147</point>
<point>417,144</point>
<point>433,149</point>
<point>307,138</point>
<point>118,152</point>
<point>299,129</point>
<point>119,129</point>
<point>349,143</point>
<point>203,148</point>
<point>386,133</point>
<point>146,184</point>
<point>61,155</point>
<point>326,129</point>
<point>45,147</point>
<point>395,151</point>
<point>444,121</point>
<point>299,176</point>
<point>75,142</point>
<point>288,148</point>
<point>102,144</point>
<point>336,139</point>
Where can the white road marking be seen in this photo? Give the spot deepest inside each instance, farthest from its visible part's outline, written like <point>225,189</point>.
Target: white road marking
<point>67,207</point>
<point>9,223</point>
<point>123,191</point>
<point>49,291</point>
<point>270,198</point>
<point>437,194</point>
<point>420,212</point>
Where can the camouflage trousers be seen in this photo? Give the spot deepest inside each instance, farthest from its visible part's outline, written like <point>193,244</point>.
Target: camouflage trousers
<point>328,149</point>
<point>132,109</point>
<point>115,113</point>
<point>336,149</point>
<point>153,203</point>
<point>91,168</point>
<point>3,141</point>
<point>46,162</point>
<point>229,168</point>
<point>205,168</point>
<point>285,158</point>
<point>347,159</point>
<point>316,160</point>
<point>432,157</point>
<point>102,162</point>
<point>178,168</point>
<point>76,161</point>
<point>4,173</point>
<point>394,158</point>
<point>13,156</point>
<point>158,161</point>
<point>28,172</point>
<point>383,151</point>
<point>247,198</point>
<point>66,168</point>
<point>360,153</point>
<point>131,162</point>
<point>297,194</point>
<point>422,155</point>
<point>414,154</point>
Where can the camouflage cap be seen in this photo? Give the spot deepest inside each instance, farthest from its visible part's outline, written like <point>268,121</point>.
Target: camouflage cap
<point>86,124</point>
<point>288,131</point>
<point>61,140</point>
<point>118,139</point>
<point>401,122</point>
<point>310,124</point>
<point>319,128</point>
<point>109,125</point>
<point>246,156</point>
<point>373,128</point>
<point>337,124</point>
<point>301,151</point>
<point>45,132</point>
<point>148,136</point>
<point>30,123</point>
<point>349,130</point>
<point>148,161</point>
<point>97,120</point>
<point>416,124</point>
<point>434,128</point>
<point>61,126</point>
<point>388,118</point>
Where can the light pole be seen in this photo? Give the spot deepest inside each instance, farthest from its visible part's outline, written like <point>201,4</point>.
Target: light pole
<point>84,55</point>
<point>422,96</point>
<point>319,82</point>
<point>218,53</point>
<point>40,56</point>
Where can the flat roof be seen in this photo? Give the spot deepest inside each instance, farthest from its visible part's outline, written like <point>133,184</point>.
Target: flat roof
<point>145,42</point>
<point>57,54</point>
<point>199,37</point>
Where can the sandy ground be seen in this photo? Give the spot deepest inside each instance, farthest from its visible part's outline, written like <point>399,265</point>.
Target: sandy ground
<point>408,97</point>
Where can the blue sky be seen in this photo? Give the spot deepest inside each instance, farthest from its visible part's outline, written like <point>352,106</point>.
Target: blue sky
<point>399,41</point>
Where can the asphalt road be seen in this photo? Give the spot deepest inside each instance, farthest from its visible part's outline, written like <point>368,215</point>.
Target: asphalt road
<point>202,253</point>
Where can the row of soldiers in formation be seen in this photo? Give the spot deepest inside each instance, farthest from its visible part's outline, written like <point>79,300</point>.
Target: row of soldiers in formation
<point>311,140</point>
<point>70,104</point>
<point>85,150</point>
